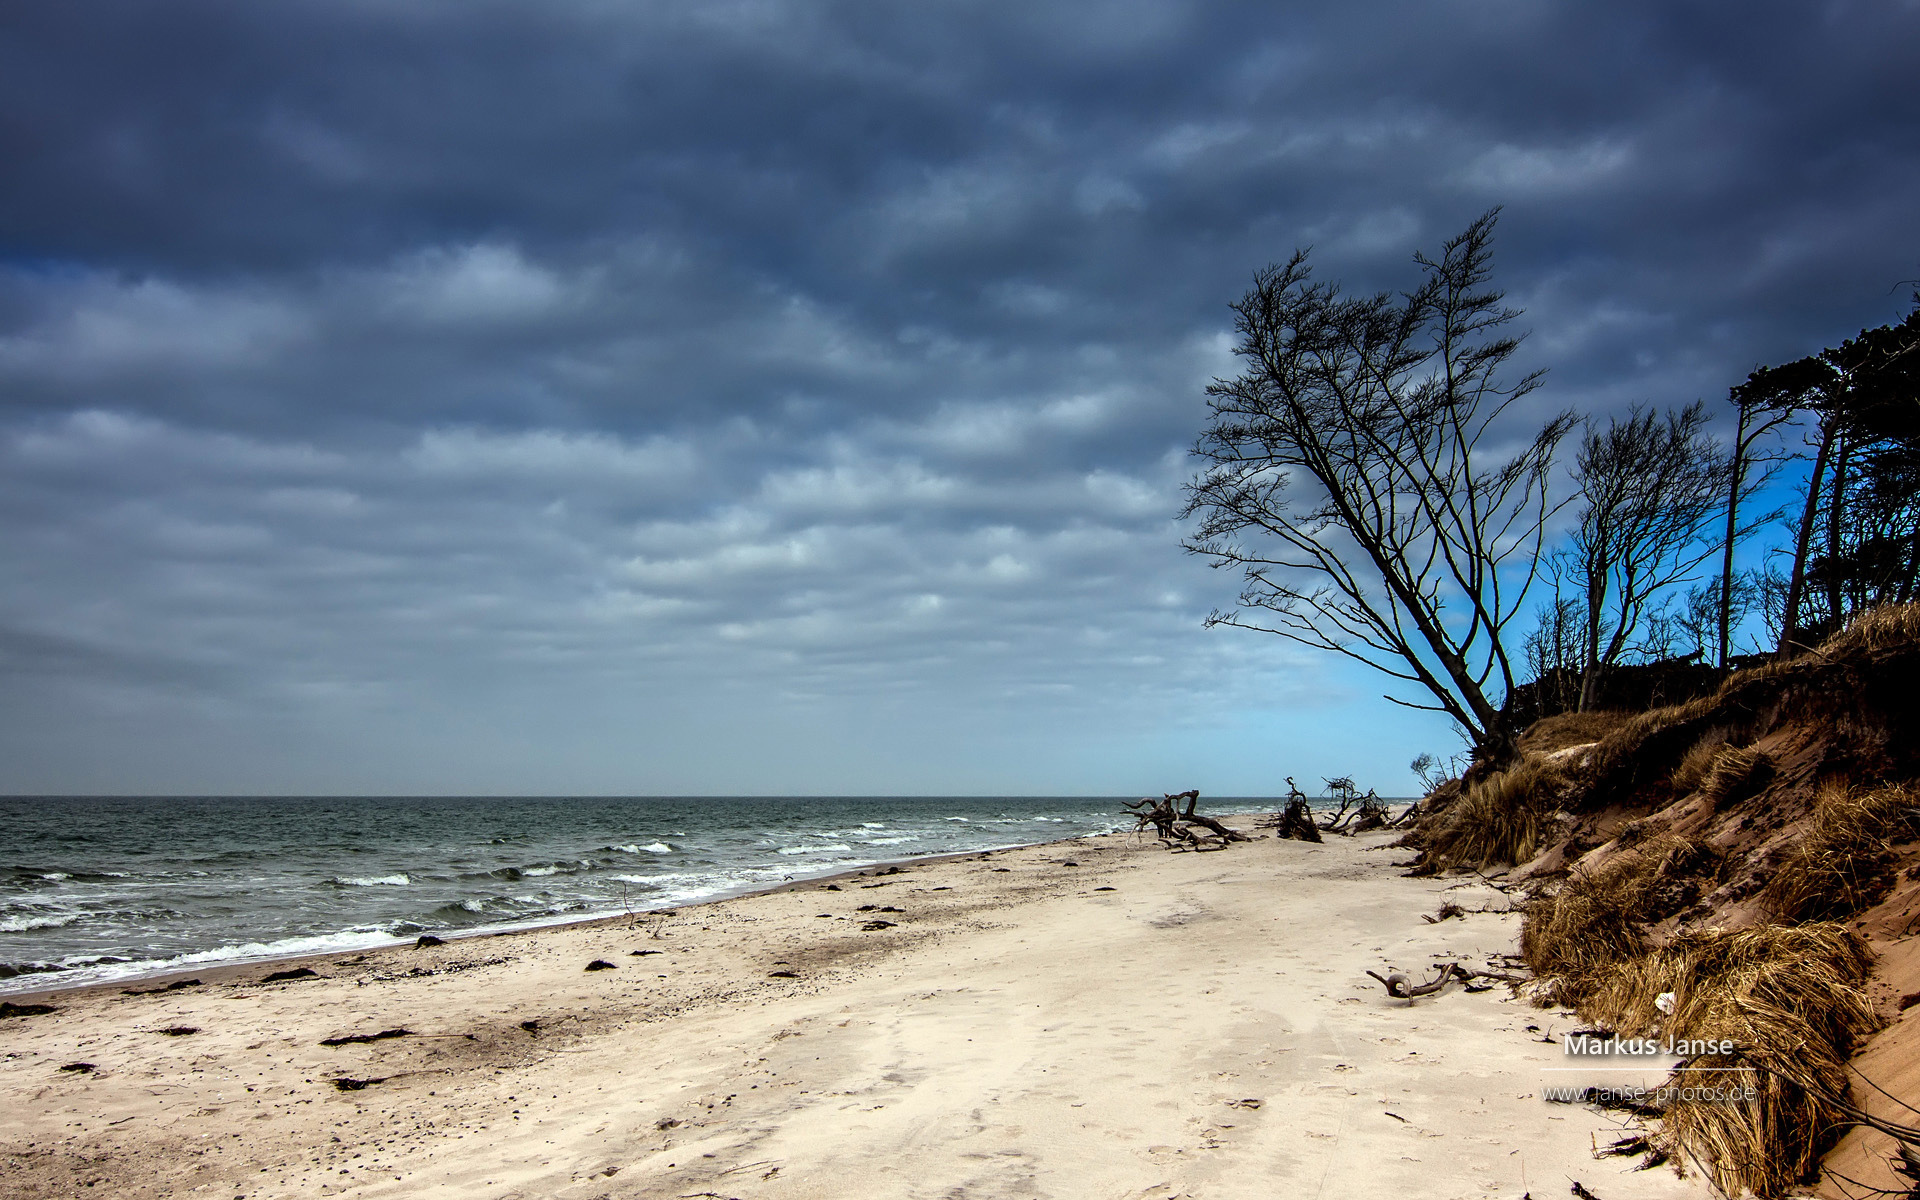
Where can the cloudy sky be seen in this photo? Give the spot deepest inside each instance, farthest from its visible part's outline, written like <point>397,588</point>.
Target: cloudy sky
<point>594,396</point>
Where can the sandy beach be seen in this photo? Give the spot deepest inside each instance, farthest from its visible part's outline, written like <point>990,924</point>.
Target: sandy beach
<point>1094,1018</point>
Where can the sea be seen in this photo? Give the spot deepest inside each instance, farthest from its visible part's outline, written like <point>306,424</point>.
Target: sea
<point>100,889</point>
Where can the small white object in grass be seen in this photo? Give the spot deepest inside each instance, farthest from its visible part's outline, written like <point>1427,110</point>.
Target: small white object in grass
<point>1664,1002</point>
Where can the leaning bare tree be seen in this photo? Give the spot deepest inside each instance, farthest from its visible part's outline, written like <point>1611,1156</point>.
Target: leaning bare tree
<point>1353,479</point>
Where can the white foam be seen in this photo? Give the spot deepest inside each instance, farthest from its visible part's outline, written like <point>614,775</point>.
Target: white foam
<point>627,849</point>
<point>835,849</point>
<point>399,880</point>
<point>889,841</point>
<point>353,939</point>
<point>542,870</point>
<point>657,848</point>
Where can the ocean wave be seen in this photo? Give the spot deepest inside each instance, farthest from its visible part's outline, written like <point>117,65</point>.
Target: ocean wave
<point>293,947</point>
<point>35,878</point>
<point>464,913</point>
<point>458,879</point>
<point>31,921</point>
<point>558,868</point>
<point>14,970</point>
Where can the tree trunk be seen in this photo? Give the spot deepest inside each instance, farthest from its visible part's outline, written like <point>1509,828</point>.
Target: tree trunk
<point>1912,574</point>
<point>1590,669</point>
<point>1797,582</point>
<point>1836,509</point>
<point>1737,471</point>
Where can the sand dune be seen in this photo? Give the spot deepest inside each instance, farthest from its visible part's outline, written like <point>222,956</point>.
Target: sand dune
<point>1141,1024</point>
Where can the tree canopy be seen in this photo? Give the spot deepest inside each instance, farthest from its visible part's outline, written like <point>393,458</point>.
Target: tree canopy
<point>1349,477</point>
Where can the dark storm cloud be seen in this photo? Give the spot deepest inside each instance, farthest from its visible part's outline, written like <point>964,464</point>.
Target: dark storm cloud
<point>486,381</point>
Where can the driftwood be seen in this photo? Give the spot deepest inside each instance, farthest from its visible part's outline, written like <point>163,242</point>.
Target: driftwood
<point>1370,813</point>
<point>1295,818</point>
<point>1342,790</point>
<point>1176,826</point>
<point>1401,987</point>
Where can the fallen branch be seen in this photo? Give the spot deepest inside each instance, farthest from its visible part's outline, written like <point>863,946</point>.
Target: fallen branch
<point>1401,987</point>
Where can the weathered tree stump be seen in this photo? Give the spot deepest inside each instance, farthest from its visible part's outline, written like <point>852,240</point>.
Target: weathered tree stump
<point>1297,821</point>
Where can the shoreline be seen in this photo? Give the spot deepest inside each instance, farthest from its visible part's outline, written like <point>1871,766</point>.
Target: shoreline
<point>1084,1017</point>
<point>225,970</point>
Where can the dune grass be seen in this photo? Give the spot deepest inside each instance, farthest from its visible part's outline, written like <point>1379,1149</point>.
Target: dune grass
<point>1841,864</point>
<point>1579,934</point>
<point>1790,997</point>
<point>1792,1000</point>
<point>1699,760</point>
<point>1498,821</point>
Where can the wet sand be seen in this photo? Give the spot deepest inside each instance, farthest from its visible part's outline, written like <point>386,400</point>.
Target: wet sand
<point>1139,1024</point>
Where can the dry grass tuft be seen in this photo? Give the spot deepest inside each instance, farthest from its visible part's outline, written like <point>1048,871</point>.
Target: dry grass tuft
<point>1646,748</point>
<point>1693,769</point>
<point>1889,627</point>
<point>1790,998</point>
<point>1497,823</point>
<point>1569,729</point>
<point>1841,864</point>
<point>1737,774</point>
<point>1579,934</point>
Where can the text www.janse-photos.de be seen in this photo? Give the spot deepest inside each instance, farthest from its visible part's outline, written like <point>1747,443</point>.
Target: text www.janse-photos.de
<point>1594,1050</point>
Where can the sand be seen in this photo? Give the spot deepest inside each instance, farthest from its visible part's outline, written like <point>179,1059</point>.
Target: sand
<point>1141,1024</point>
